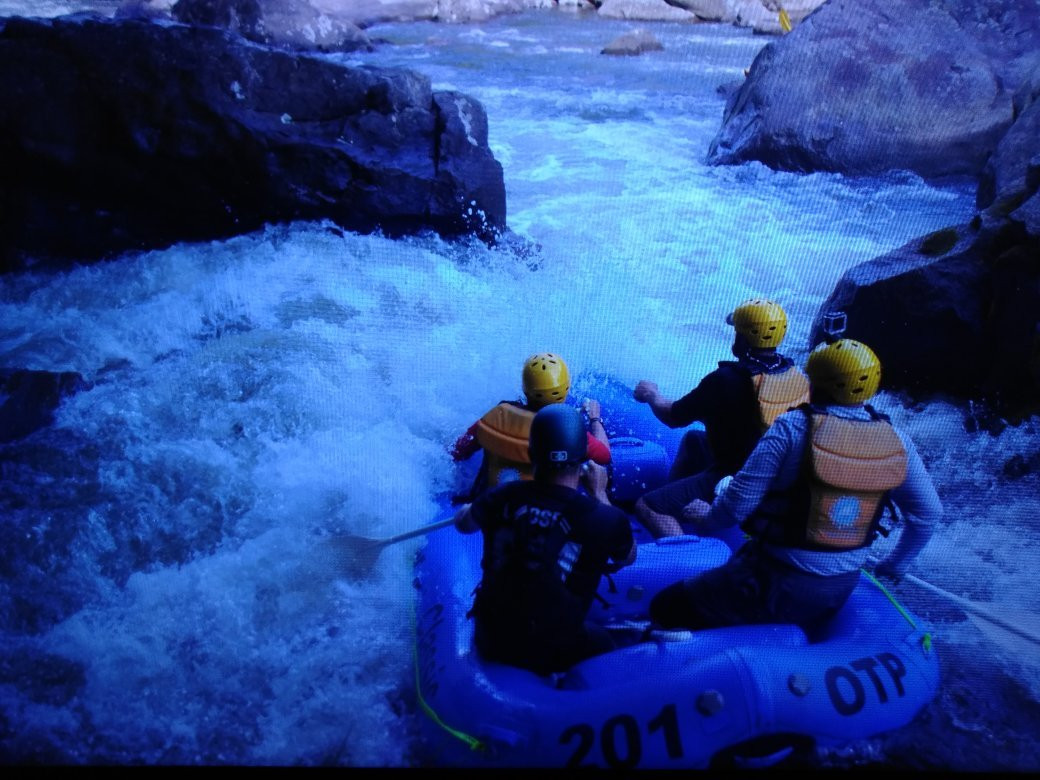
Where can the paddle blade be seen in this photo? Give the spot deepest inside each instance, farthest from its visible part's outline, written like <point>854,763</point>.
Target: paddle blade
<point>354,556</point>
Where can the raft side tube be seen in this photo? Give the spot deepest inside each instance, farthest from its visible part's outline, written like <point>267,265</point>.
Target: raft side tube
<point>646,720</point>
<point>660,657</point>
<point>636,466</point>
<point>871,670</point>
<point>839,692</point>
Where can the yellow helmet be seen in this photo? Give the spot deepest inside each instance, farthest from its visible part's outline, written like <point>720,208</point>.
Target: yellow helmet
<point>762,323</point>
<point>847,370</point>
<point>546,380</point>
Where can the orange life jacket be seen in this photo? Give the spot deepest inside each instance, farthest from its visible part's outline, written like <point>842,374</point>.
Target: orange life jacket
<point>503,433</point>
<point>854,463</point>
<point>777,393</point>
<point>837,503</point>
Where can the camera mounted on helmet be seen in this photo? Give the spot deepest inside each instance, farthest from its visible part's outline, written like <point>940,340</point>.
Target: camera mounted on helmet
<point>834,325</point>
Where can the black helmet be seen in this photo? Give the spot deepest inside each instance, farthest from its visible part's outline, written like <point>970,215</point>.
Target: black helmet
<point>558,437</point>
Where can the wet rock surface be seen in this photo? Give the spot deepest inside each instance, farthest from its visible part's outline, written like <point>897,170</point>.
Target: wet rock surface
<point>117,140</point>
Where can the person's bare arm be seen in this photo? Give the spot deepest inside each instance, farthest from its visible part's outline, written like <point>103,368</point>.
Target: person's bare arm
<point>596,428</point>
<point>595,478</point>
<point>646,392</point>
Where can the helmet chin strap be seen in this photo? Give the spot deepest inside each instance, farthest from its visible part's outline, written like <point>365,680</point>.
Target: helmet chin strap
<point>766,360</point>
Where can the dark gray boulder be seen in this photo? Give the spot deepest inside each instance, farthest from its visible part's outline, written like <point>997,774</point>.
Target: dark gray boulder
<point>1007,32</point>
<point>242,16</point>
<point>633,43</point>
<point>293,23</point>
<point>131,134</point>
<point>1009,177</point>
<point>953,313</point>
<point>1029,212</point>
<point>866,86</point>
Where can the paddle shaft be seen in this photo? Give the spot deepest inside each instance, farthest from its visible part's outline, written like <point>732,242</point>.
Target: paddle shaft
<point>416,532</point>
<point>975,609</point>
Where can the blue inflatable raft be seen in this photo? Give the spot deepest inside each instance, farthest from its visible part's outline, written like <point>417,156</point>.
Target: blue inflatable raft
<point>746,695</point>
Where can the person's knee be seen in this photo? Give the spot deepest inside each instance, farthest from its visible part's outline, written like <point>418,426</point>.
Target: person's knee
<point>650,516</point>
<point>650,506</point>
<point>642,511</point>
<point>657,523</point>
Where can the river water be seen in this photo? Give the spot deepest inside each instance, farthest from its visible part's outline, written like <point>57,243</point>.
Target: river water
<point>169,596</point>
